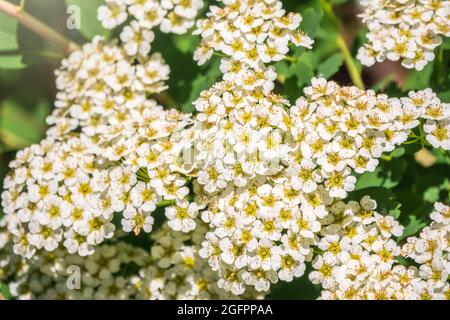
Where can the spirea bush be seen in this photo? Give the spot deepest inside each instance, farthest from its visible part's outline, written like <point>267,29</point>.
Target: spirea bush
<point>238,150</point>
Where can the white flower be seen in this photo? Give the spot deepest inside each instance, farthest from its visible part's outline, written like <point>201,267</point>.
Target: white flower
<point>181,217</point>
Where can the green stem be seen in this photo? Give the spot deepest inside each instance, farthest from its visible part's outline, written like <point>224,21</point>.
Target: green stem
<point>422,133</point>
<point>166,203</point>
<point>290,59</point>
<point>38,26</point>
<point>438,70</point>
<point>164,99</point>
<point>350,64</point>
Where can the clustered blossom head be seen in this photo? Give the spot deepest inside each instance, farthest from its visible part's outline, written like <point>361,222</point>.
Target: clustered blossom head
<point>251,34</point>
<point>406,30</point>
<point>172,16</point>
<point>359,256</point>
<point>425,106</point>
<point>144,156</point>
<point>53,195</point>
<point>266,173</point>
<point>100,85</point>
<point>177,271</point>
<point>66,192</point>
<point>170,269</point>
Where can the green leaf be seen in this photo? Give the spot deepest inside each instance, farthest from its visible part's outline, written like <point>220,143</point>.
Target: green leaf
<point>303,69</point>
<point>417,220</point>
<point>186,43</point>
<point>11,61</point>
<point>387,202</point>
<point>397,153</point>
<point>8,33</point>
<point>418,80</point>
<point>202,82</point>
<point>311,20</point>
<point>90,25</point>
<point>331,65</point>
<point>8,44</point>
<point>338,2</point>
<point>18,129</point>
<point>4,291</point>
<point>387,175</point>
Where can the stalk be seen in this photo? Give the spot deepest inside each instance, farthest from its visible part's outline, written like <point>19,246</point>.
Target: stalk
<point>38,27</point>
<point>341,43</point>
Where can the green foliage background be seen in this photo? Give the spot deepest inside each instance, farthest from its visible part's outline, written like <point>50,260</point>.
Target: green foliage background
<point>404,187</point>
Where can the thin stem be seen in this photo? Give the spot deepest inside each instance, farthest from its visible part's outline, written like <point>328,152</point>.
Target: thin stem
<point>164,99</point>
<point>342,45</point>
<point>290,58</point>
<point>165,203</point>
<point>438,72</point>
<point>37,26</point>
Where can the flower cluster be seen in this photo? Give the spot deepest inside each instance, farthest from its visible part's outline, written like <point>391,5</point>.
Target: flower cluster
<point>54,195</point>
<point>406,30</point>
<point>145,167</point>
<point>250,34</point>
<point>172,16</point>
<point>358,257</point>
<point>178,272</point>
<point>171,269</point>
<point>266,174</point>
<point>425,106</point>
<point>431,250</point>
<point>333,131</point>
<point>100,85</point>
<point>67,191</point>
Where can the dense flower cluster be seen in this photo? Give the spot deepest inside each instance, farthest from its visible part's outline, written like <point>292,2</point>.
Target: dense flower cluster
<point>425,106</point>
<point>178,272</point>
<point>172,16</point>
<point>145,164</point>
<point>266,175</point>
<point>100,85</point>
<point>406,30</point>
<point>251,34</point>
<point>359,256</point>
<point>66,192</point>
<point>53,192</point>
<point>172,269</point>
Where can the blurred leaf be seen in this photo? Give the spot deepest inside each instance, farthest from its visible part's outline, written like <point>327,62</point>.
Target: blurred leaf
<point>11,61</point>
<point>8,33</point>
<point>332,65</point>
<point>338,2</point>
<point>202,82</point>
<point>387,202</point>
<point>90,25</point>
<point>4,291</point>
<point>18,129</point>
<point>417,80</point>
<point>186,43</point>
<point>397,153</point>
<point>300,288</point>
<point>387,175</point>
<point>417,220</point>
<point>311,20</point>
